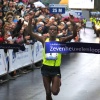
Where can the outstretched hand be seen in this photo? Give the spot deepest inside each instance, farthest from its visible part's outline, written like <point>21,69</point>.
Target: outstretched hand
<point>75,30</point>
<point>20,22</point>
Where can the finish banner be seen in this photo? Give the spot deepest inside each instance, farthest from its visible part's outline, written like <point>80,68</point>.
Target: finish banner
<point>12,46</point>
<point>73,47</point>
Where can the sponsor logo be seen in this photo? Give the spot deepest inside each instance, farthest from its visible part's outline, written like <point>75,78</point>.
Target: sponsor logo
<point>13,57</point>
<point>37,49</point>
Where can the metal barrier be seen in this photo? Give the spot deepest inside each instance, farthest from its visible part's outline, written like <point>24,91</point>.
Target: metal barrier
<point>16,61</point>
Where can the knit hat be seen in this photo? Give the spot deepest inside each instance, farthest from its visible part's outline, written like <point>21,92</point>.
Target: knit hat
<point>39,25</point>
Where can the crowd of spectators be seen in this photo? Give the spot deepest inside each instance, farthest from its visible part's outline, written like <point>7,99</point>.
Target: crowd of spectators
<point>14,17</point>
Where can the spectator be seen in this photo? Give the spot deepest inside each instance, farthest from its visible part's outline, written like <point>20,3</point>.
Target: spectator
<point>1,38</point>
<point>1,32</point>
<point>9,20</point>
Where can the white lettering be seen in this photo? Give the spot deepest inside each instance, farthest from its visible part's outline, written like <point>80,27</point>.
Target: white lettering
<point>58,48</point>
<point>54,10</point>
<point>70,49</point>
<point>51,48</point>
<point>55,49</point>
<point>59,10</point>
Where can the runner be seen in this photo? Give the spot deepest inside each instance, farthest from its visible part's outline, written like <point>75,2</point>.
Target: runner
<point>51,62</point>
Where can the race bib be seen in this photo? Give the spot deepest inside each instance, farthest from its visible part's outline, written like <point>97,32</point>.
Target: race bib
<point>51,56</point>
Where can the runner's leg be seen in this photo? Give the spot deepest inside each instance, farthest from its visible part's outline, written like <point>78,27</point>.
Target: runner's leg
<point>47,85</point>
<point>56,83</point>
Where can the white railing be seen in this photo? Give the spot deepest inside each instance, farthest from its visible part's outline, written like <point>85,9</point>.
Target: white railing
<point>17,60</point>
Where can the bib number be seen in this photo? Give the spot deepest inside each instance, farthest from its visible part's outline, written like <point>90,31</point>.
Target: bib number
<point>51,56</point>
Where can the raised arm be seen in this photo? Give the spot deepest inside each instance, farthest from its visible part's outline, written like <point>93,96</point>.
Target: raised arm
<point>68,38</point>
<point>32,34</point>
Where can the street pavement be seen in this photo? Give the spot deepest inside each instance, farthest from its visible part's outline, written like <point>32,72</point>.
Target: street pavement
<point>80,78</point>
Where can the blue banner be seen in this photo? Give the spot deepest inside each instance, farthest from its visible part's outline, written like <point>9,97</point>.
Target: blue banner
<point>57,10</point>
<point>73,47</point>
<point>12,46</point>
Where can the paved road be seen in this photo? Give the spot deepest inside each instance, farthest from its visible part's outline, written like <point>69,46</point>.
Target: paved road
<point>80,78</point>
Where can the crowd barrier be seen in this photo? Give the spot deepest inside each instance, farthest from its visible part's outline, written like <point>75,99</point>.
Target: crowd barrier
<point>17,60</point>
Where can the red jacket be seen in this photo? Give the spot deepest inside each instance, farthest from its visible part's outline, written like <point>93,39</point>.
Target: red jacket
<point>1,39</point>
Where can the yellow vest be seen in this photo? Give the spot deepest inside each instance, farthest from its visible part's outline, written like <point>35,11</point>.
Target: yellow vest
<point>91,19</point>
<point>84,20</point>
<point>94,20</point>
<point>53,63</point>
<point>97,22</point>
